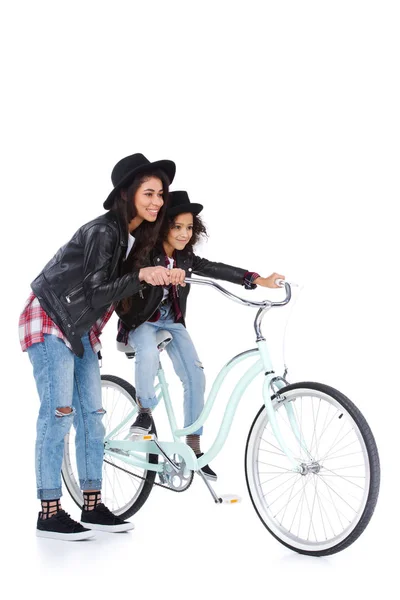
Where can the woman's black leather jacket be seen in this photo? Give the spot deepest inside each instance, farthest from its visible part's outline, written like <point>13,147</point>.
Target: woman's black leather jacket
<point>83,279</point>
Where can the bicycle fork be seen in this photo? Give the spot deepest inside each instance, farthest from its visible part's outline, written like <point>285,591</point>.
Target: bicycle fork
<point>269,380</point>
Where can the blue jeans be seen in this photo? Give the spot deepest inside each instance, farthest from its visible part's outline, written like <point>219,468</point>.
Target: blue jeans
<point>184,358</point>
<point>64,380</point>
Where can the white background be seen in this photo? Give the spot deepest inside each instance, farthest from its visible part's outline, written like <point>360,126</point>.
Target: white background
<point>283,120</point>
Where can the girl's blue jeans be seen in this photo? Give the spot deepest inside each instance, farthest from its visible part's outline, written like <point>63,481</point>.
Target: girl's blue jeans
<point>184,358</point>
<point>65,381</point>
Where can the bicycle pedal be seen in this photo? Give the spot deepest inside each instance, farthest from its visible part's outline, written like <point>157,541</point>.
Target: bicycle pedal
<point>140,437</point>
<point>230,499</point>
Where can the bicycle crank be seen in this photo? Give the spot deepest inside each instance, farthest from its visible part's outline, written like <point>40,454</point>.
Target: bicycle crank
<point>175,474</point>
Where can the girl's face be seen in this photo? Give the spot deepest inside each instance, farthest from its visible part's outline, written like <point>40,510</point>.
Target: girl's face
<point>181,231</point>
<point>149,199</point>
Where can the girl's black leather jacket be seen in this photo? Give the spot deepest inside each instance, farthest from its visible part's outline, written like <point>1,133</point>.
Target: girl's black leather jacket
<point>145,303</point>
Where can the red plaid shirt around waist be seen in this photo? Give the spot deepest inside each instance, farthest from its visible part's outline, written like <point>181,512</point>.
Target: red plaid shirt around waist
<point>34,323</point>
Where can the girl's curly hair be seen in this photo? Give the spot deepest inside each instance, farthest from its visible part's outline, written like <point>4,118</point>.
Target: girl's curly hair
<point>199,230</point>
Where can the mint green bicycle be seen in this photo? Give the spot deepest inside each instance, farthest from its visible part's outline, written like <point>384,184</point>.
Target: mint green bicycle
<point>311,462</point>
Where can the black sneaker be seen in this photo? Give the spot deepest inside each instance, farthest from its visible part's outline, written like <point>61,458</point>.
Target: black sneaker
<point>61,527</point>
<point>142,425</point>
<point>207,471</point>
<point>102,519</point>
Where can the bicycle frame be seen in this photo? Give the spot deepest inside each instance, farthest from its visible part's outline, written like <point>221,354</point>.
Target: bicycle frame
<point>129,451</point>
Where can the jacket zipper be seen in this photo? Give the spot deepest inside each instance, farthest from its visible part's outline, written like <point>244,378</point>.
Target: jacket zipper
<point>68,298</point>
<point>82,315</point>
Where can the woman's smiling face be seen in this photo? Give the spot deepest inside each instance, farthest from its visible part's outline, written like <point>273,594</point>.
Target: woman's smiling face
<point>149,199</point>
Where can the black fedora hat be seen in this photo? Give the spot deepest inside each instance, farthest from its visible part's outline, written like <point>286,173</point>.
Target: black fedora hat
<point>179,203</point>
<point>126,169</point>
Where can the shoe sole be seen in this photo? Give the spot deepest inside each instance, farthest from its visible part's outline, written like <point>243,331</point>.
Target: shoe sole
<point>133,434</point>
<point>67,537</point>
<point>212,477</point>
<point>109,528</point>
<point>209,476</point>
<point>139,431</point>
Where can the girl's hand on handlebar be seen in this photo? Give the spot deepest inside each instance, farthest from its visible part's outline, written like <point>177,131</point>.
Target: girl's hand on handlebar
<point>154,275</point>
<point>269,282</point>
<point>177,277</point>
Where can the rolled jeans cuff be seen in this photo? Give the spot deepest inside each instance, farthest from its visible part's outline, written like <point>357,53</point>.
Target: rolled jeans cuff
<point>198,432</point>
<point>90,484</point>
<point>49,494</point>
<point>148,402</point>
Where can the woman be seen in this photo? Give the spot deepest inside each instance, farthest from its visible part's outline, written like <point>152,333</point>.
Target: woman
<point>157,308</point>
<point>72,299</point>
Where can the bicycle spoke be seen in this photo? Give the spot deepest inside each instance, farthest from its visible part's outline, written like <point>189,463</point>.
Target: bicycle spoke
<point>287,505</point>
<point>345,478</point>
<point>336,443</point>
<point>271,478</point>
<point>343,455</point>
<point>276,487</point>
<point>273,446</point>
<point>311,525</point>
<point>277,466</point>
<point>306,483</point>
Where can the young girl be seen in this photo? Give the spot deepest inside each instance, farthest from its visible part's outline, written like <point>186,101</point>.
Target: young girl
<point>165,308</point>
<point>72,299</point>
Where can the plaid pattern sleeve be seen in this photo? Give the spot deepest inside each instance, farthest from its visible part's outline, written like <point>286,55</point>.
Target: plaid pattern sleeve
<point>248,280</point>
<point>34,323</point>
<point>98,327</point>
<point>123,332</point>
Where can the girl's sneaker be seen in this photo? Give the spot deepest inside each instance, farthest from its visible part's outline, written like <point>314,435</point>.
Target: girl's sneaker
<point>207,470</point>
<point>61,527</point>
<point>142,425</point>
<point>102,519</point>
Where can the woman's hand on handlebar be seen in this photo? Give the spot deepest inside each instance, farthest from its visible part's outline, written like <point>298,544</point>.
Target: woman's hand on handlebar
<point>154,275</point>
<point>269,282</point>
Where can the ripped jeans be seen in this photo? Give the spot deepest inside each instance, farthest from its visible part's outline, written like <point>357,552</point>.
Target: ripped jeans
<point>65,381</point>
<point>184,358</point>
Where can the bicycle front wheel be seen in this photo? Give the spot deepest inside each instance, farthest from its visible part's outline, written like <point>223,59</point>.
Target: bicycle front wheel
<point>325,508</point>
<point>125,487</point>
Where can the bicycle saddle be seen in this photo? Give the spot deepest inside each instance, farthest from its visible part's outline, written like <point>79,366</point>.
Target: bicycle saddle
<point>162,337</point>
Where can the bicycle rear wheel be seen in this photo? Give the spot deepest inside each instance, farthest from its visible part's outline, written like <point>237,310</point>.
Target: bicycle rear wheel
<point>125,487</point>
<point>327,507</point>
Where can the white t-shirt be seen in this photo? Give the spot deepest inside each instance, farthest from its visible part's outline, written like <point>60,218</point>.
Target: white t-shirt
<point>131,241</point>
<point>170,266</point>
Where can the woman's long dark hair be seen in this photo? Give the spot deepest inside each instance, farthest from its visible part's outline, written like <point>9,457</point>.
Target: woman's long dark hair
<point>147,233</point>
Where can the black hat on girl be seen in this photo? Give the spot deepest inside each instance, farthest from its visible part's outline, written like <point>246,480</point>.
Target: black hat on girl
<point>179,203</point>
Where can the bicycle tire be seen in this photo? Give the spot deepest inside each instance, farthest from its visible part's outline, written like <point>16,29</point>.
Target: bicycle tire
<point>369,451</point>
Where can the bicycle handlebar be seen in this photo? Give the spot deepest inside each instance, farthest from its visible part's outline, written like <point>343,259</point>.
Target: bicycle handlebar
<point>263,304</point>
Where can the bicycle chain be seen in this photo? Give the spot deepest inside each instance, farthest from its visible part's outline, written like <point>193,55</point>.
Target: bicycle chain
<point>166,487</point>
